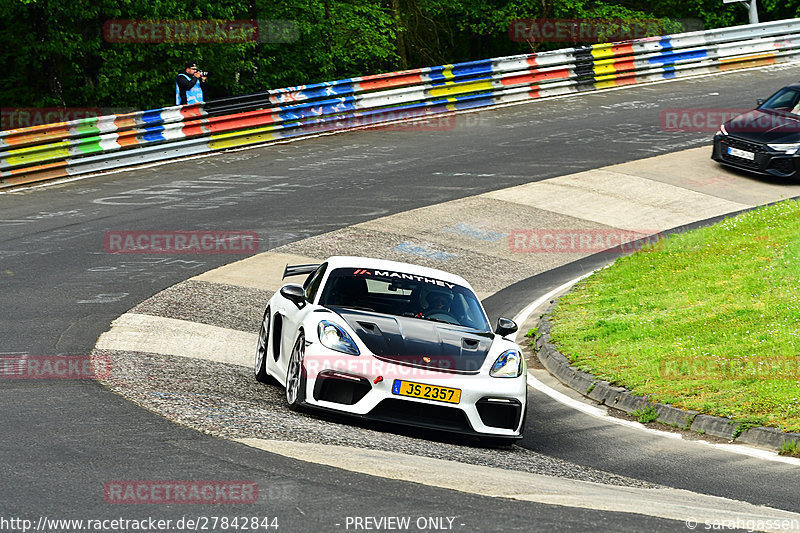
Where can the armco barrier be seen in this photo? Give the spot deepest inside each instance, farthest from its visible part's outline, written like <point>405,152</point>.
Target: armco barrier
<point>103,143</point>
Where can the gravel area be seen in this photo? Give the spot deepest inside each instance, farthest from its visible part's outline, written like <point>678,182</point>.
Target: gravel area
<point>226,401</point>
<point>367,242</point>
<point>215,304</point>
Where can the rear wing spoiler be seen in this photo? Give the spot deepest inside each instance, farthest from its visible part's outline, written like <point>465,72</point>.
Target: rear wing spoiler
<point>297,270</point>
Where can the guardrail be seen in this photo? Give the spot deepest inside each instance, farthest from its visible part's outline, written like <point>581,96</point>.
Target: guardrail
<point>102,143</point>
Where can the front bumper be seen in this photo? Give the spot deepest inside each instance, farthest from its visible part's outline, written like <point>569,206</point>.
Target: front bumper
<point>765,161</point>
<point>363,386</point>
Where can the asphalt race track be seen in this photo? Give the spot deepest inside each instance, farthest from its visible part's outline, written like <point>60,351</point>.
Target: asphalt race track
<point>64,440</point>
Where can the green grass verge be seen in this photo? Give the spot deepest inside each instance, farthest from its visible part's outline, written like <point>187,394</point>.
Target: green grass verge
<point>706,320</point>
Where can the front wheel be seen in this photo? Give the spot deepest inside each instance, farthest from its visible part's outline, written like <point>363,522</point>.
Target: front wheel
<point>261,351</point>
<point>295,374</point>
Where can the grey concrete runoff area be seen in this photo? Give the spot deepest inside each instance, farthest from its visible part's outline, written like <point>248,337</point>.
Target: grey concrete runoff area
<point>210,318</point>
<point>180,330</point>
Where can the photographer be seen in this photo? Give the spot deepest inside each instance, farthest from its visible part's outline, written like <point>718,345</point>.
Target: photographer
<point>189,85</point>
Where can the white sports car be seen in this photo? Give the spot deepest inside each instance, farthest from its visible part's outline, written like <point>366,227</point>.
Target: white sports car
<point>394,342</point>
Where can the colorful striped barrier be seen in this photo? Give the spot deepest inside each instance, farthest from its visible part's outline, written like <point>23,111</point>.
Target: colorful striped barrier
<point>102,143</point>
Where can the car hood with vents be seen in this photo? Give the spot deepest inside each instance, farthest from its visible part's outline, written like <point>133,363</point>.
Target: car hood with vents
<point>420,342</point>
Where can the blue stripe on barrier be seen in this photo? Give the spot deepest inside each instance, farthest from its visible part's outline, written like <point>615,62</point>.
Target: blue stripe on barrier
<point>333,105</point>
<point>328,90</point>
<point>153,133</point>
<point>152,117</point>
<point>673,57</point>
<point>315,109</point>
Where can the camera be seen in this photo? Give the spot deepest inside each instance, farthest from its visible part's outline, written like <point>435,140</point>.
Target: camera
<point>203,73</point>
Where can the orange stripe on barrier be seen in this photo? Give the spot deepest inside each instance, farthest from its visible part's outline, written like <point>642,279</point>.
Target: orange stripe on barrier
<point>394,81</point>
<point>622,49</point>
<point>57,166</point>
<point>124,122</point>
<point>535,77</point>
<point>191,112</point>
<point>194,130</point>
<point>33,177</point>
<point>747,62</point>
<point>242,120</point>
<point>40,134</point>
<point>128,138</point>
<point>625,64</point>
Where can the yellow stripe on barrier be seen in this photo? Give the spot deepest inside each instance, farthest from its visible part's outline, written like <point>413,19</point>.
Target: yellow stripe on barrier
<point>459,88</point>
<point>232,140</point>
<point>604,68</point>
<point>606,84</point>
<point>602,51</point>
<point>35,154</point>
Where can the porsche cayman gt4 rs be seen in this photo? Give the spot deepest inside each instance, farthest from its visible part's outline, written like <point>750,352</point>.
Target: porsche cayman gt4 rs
<point>393,342</point>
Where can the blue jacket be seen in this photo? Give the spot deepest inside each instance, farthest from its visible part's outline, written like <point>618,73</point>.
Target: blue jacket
<point>188,90</point>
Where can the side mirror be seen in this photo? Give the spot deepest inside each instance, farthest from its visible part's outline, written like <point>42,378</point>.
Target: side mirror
<point>760,102</point>
<point>505,326</point>
<point>294,293</point>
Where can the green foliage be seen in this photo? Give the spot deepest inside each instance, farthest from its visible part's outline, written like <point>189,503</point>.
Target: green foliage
<point>705,320</point>
<point>55,53</point>
<point>790,447</point>
<point>646,414</point>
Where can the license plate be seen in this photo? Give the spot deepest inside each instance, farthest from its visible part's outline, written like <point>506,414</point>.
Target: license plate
<point>744,154</point>
<point>429,392</point>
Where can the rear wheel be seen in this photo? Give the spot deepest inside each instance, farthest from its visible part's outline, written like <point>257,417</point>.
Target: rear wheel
<point>295,374</point>
<point>261,351</point>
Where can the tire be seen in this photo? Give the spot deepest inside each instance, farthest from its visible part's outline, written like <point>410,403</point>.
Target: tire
<point>295,374</point>
<point>261,351</point>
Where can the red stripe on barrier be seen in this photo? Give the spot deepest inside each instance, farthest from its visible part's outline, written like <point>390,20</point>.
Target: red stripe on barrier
<point>536,77</point>
<point>622,49</point>
<point>189,112</point>
<point>242,120</point>
<point>408,79</point>
<point>624,65</point>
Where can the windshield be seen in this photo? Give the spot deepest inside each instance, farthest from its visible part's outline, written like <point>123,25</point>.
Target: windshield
<point>784,101</point>
<point>397,293</point>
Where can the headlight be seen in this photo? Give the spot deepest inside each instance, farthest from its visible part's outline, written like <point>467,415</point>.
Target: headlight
<point>790,148</point>
<point>722,129</point>
<point>508,365</point>
<point>335,338</point>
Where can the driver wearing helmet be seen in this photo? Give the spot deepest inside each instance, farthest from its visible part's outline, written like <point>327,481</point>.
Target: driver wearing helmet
<point>438,302</point>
